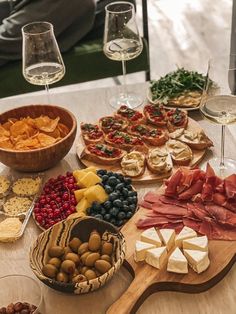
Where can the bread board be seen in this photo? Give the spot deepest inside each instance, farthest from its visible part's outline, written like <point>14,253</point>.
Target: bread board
<point>148,176</point>
<point>148,280</point>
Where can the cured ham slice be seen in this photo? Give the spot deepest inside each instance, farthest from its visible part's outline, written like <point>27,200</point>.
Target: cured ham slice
<point>151,197</point>
<point>194,189</point>
<point>191,223</point>
<point>173,183</point>
<point>145,204</point>
<point>230,186</point>
<point>169,209</point>
<point>172,201</point>
<point>151,222</point>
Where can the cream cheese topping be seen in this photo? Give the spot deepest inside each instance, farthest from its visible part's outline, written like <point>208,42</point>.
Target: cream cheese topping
<point>132,163</point>
<point>179,150</point>
<point>160,160</point>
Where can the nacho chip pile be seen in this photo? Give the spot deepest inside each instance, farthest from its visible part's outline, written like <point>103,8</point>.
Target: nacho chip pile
<point>28,133</point>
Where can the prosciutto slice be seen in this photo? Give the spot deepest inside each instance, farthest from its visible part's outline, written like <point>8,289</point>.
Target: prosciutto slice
<point>169,209</point>
<point>151,197</point>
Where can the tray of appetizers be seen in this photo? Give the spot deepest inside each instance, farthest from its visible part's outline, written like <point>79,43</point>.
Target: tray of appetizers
<point>180,241</point>
<point>146,146</point>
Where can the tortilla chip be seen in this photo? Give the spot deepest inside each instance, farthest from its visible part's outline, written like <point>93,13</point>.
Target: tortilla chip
<point>45,140</point>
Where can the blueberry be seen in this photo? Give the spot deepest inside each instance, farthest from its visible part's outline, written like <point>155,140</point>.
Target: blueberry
<point>132,193</point>
<point>127,180</point>
<point>135,199</point>
<point>104,178</point>
<point>130,200</point>
<point>125,202</point>
<point>129,215</point>
<point>112,181</point>
<point>96,206</point>
<point>132,208</point>
<point>107,204</point>
<point>108,189</point>
<point>121,198</point>
<point>120,223</point>
<point>109,173</point>
<point>107,217</point>
<point>126,208</point>
<point>103,211</point>
<point>120,177</point>
<point>99,216</point>
<point>101,172</point>
<point>113,196</point>
<point>119,186</point>
<point>121,215</point>
<point>113,221</point>
<point>118,203</point>
<point>125,192</point>
<point>129,187</point>
<point>114,211</point>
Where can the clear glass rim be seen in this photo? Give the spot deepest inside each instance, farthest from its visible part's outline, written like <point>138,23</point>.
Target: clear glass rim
<point>117,3</point>
<point>32,280</point>
<point>24,28</point>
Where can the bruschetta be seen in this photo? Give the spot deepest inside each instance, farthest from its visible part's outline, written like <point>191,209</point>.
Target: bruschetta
<point>155,114</point>
<point>110,123</point>
<point>176,119</point>
<point>102,154</point>
<point>151,136</point>
<point>91,133</point>
<point>125,141</point>
<point>133,164</point>
<point>181,153</point>
<point>195,139</point>
<point>159,161</point>
<point>133,116</point>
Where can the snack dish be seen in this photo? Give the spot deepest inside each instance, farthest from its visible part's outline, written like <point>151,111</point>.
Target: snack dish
<point>26,186</point>
<point>155,115</point>
<point>159,161</point>
<point>151,136</point>
<point>111,123</point>
<point>91,133</point>
<point>134,116</point>
<point>181,153</point>
<point>133,164</point>
<point>176,119</point>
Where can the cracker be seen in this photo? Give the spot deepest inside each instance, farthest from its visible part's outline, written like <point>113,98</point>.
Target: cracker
<point>26,186</point>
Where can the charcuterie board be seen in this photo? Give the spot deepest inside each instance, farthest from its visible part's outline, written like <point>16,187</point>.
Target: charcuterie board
<point>148,280</point>
<point>148,176</point>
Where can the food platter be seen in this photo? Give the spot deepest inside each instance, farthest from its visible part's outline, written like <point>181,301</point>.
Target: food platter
<point>148,176</point>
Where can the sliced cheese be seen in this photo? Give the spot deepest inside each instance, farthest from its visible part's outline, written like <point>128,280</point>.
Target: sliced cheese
<point>156,257</point>
<point>141,249</point>
<point>168,237</point>
<point>198,260</point>
<point>177,262</point>
<point>199,243</point>
<point>151,236</point>
<point>185,233</point>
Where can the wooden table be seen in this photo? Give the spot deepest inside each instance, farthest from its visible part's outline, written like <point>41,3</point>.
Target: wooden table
<point>88,106</point>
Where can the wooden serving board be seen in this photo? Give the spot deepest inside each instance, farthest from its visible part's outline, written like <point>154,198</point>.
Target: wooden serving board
<point>148,176</point>
<point>148,280</point>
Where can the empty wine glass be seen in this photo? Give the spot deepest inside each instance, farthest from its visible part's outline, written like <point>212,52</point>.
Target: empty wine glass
<point>42,60</point>
<point>122,43</point>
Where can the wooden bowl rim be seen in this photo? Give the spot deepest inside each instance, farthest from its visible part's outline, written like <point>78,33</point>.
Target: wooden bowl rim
<point>74,126</point>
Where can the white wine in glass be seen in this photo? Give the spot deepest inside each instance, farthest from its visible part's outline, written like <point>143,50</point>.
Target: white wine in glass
<point>42,62</point>
<point>122,43</point>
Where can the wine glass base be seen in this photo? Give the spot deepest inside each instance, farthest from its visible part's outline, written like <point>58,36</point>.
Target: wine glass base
<point>130,100</point>
<point>226,170</point>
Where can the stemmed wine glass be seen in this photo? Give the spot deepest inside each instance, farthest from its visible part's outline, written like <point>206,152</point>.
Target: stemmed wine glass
<point>219,107</point>
<point>42,60</point>
<point>122,43</point>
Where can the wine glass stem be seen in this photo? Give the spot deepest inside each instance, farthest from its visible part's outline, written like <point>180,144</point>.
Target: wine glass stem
<point>222,153</point>
<point>124,78</point>
<point>47,93</point>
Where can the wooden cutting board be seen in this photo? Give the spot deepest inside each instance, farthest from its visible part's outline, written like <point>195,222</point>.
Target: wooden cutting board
<point>148,280</point>
<point>148,176</point>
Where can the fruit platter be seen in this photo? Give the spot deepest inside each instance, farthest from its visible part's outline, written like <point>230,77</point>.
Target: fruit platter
<point>146,146</point>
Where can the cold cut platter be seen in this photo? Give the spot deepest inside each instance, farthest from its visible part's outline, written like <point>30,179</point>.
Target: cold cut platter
<point>146,146</point>
<point>198,209</point>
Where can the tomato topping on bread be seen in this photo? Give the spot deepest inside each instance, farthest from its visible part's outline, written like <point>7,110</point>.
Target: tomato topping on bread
<point>132,115</point>
<point>155,114</point>
<point>91,133</point>
<point>176,119</point>
<point>125,140</point>
<point>110,123</point>
<point>149,135</point>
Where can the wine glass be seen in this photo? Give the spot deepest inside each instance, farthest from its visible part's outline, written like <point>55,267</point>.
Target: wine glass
<point>42,60</point>
<point>122,43</point>
<point>219,107</point>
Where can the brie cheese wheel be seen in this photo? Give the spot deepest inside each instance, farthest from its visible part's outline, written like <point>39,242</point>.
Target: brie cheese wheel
<point>199,243</point>
<point>156,257</point>
<point>140,250</point>
<point>198,260</point>
<point>168,237</point>
<point>185,233</point>
<point>177,262</point>
<point>151,236</point>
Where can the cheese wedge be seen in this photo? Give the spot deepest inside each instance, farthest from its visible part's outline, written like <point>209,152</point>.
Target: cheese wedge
<point>199,243</point>
<point>156,257</point>
<point>198,260</point>
<point>151,236</point>
<point>185,233</point>
<point>177,262</point>
<point>168,237</point>
<point>141,249</point>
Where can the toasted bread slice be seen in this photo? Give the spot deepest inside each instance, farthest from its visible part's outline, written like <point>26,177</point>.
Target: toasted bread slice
<point>155,114</point>
<point>181,153</point>
<point>133,116</point>
<point>159,161</point>
<point>91,133</point>
<point>102,154</point>
<point>176,119</point>
<point>110,123</point>
<point>133,164</point>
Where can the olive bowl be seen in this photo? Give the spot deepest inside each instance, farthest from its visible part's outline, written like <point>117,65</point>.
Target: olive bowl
<point>61,234</point>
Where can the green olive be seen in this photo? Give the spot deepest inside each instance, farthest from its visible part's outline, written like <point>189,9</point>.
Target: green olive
<point>107,248</point>
<point>91,259</point>
<point>84,256</point>
<point>83,248</point>
<point>62,277</point>
<point>74,244</point>
<point>55,261</point>
<point>73,257</point>
<point>49,270</point>
<point>102,266</point>
<point>94,241</point>
<point>56,251</point>
<point>83,269</point>
<point>90,274</point>
<point>68,266</point>
<point>106,258</point>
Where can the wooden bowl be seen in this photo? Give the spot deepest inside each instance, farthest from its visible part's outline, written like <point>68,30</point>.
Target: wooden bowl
<point>41,158</point>
<point>61,234</point>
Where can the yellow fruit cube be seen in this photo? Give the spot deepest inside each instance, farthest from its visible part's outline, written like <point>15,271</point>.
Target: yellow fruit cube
<point>89,179</point>
<point>90,169</point>
<point>78,174</point>
<point>96,193</point>
<point>79,194</point>
<point>82,205</point>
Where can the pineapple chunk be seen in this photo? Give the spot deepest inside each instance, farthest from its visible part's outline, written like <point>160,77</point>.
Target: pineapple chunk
<point>89,179</point>
<point>90,169</point>
<point>79,194</point>
<point>82,205</point>
<point>96,193</point>
<point>78,174</point>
